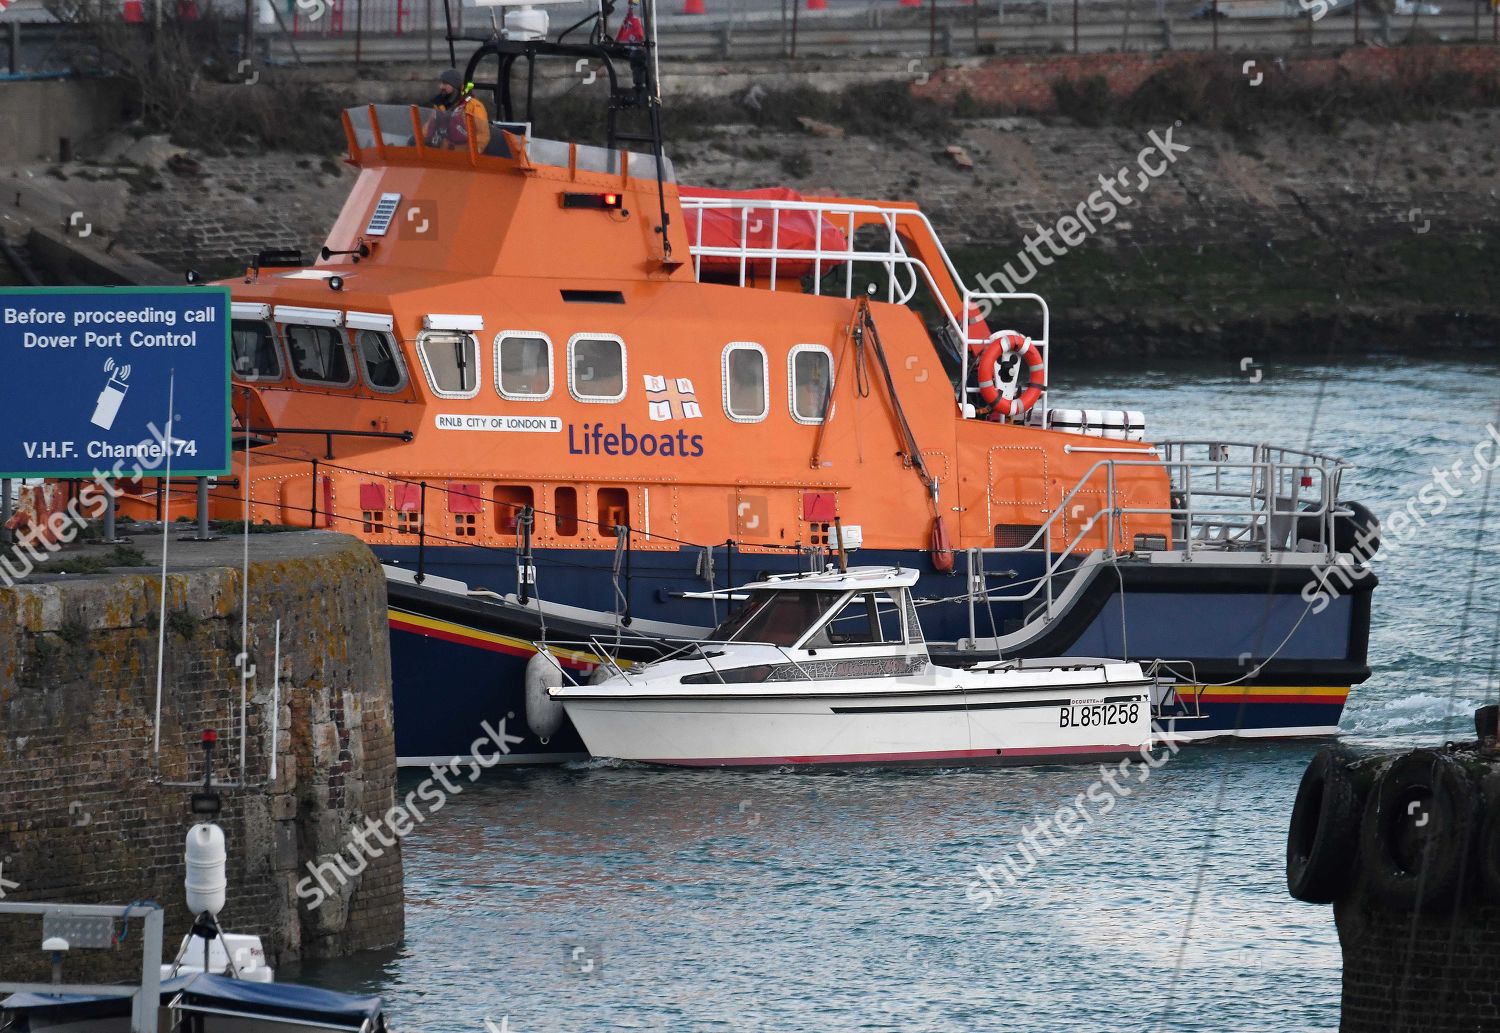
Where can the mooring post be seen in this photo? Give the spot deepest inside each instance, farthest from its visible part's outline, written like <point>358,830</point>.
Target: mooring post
<point>203,508</point>
<point>109,512</point>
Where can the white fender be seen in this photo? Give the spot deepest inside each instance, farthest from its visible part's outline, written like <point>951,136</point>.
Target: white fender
<point>543,713</point>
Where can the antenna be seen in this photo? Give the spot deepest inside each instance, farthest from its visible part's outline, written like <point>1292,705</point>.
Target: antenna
<point>166,532</point>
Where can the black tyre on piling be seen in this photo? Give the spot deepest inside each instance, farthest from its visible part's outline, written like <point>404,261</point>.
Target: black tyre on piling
<point>1420,827</point>
<point>1322,840</point>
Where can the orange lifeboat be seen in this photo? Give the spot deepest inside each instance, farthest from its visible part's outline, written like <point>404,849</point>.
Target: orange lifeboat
<point>758,229</point>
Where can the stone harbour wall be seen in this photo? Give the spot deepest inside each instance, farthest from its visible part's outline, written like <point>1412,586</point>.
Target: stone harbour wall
<point>84,816</point>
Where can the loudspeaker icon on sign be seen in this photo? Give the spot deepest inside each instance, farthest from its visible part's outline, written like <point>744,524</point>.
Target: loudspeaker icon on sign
<point>108,405</point>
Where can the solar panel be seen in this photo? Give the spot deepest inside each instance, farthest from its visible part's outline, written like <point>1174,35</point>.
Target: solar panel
<point>385,211</point>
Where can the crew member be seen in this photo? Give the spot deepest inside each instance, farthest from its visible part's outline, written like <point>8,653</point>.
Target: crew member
<point>448,127</point>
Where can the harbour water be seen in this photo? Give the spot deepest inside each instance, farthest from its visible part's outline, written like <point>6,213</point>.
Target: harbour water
<point>605,896</point>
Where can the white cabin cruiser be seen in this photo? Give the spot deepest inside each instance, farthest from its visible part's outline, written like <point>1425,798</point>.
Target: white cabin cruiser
<point>832,668</point>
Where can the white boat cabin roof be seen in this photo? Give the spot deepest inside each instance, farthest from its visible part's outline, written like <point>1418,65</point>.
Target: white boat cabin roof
<point>854,579</point>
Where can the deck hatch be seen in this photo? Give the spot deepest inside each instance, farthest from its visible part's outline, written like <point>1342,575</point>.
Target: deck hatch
<point>385,211</point>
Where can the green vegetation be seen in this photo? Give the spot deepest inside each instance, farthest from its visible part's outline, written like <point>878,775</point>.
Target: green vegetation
<point>1310,276</point>
<point>234,527</point>
<point>1212,93</point>
<point>180,622</point>
<point>95,562</point>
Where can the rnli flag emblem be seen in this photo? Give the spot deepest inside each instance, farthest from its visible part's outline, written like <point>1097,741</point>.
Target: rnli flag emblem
<point>671,399</point>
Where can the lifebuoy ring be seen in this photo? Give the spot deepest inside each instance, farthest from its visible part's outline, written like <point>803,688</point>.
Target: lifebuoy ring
<point>997,347</point>
<point>1419,828</point>
<point>1320,841</point>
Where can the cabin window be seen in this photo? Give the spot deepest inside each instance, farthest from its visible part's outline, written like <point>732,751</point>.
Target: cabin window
<point>523,367</point>
<point>746,392</point>
<point>565,512</point>
<point>596,368</point>
<point>779,618</point>
<point>256,356</point>
<point>614,510</point>
<point>810,382</point>
<point>450,359</point>
<point>319,354</point>
<point>860,622</point>
<point>384,370</point>
<point>510,500</point>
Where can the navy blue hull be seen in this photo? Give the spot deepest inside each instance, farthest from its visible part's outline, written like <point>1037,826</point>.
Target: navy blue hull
<point>458,662</point>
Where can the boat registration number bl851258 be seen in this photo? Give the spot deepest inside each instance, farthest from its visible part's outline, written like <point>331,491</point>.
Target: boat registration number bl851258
<point>1087,715</point>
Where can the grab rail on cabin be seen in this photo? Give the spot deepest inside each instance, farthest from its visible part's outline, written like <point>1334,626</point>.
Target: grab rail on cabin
<point>329,433</point>
<point>594,648</point>
<point>1258,505</point>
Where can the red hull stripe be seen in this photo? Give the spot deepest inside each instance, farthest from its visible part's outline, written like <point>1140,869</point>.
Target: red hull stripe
<point>463,640</point>
<point>922,755</point>
<point>448,632</point>
<point>1336,701</point>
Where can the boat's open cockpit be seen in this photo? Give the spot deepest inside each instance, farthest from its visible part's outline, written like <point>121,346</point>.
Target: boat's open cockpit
<point>867,607</point>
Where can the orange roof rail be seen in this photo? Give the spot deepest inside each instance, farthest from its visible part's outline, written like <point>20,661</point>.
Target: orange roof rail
<point>517,145</point>
<point>376,133</point>
<point>349,137</point>
<point>417,132</point>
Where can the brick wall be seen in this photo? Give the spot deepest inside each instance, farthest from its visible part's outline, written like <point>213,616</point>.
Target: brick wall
<point>83,817</point>
<point>1425,973</point>
<point>1026,82</point>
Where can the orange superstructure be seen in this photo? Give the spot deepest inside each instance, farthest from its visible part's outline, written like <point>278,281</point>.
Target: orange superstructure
<point>542,255</point>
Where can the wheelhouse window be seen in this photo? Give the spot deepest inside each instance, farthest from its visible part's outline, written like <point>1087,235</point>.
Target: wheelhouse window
<point>811,382</point>
<point>381,358</point>
<point>746,394</point>
<point>450,358</point>
<point>523,366</point>
<point>779,618</point>
<point>254,350</point>
<point>596,368</point>
<point>869,618</point>
<point>319,354</point>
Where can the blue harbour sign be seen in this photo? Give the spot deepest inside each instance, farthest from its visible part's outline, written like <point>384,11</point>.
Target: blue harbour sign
<point>89,371</point>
